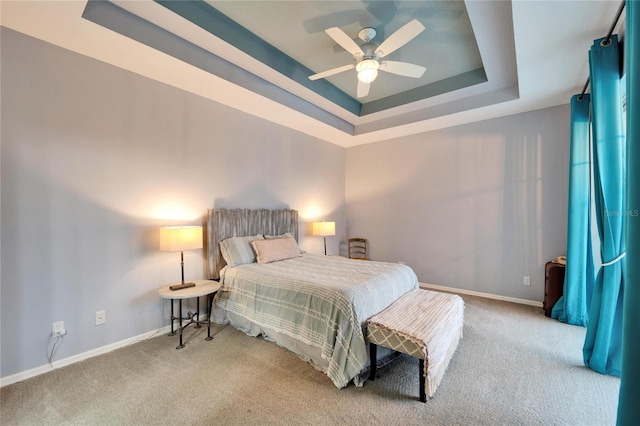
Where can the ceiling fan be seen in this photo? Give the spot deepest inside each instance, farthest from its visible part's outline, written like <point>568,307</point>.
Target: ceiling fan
<point>368,57</point>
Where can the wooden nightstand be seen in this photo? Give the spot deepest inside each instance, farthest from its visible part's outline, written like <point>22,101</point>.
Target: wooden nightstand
<point>553,285</point>
<point>202,288</point>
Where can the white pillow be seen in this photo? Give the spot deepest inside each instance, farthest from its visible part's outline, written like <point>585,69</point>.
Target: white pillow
<point>238,250</point>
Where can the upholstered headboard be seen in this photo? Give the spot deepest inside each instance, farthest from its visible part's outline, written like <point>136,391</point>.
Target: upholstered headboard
<point>223,223</point>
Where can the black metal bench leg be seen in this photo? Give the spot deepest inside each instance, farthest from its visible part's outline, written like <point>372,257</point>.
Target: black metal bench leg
<point>373,360</point>
<point>423,395</point>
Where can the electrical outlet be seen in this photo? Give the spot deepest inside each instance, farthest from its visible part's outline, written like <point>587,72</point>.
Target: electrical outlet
<point>527,280</point>
<point>101,317</point>
<point>58,329</point>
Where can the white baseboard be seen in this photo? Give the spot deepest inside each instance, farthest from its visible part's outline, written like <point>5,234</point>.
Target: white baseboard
<point>480,294</point>
<point>18,377</point>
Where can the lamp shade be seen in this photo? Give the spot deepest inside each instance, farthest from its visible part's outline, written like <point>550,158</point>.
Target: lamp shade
<point>180,238</point>
<point>324,228</point>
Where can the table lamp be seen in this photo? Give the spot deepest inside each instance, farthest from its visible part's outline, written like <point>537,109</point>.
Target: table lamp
<point>324,229</point>
<point>181,238</point>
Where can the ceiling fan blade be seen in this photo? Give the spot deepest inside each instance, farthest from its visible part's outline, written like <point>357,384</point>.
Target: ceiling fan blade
<point>345,41</point>
<point>363,89</point>
<point>331,72</point>
<point>403,68</point>
<point>401,37</point>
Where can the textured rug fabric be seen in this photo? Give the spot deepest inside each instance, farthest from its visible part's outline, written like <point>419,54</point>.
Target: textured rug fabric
<point>513,366</point>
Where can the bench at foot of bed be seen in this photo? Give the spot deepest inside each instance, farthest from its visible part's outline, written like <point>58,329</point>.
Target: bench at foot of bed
<point>424,324</point>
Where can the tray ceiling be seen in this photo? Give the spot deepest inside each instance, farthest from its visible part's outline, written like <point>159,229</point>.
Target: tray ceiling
<point>256,56</point>
<point>447,46</point>
<point>283,42</point>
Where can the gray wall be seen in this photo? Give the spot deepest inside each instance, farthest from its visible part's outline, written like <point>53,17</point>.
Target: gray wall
<point>94,160</point>
<point>474,207</point>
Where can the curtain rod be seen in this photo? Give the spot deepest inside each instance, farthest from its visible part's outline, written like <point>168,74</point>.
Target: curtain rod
<point>605,42</point>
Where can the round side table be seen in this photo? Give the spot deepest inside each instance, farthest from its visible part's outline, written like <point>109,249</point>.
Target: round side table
<point>202,288</point>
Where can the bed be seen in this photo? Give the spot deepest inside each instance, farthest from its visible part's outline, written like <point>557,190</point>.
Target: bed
<point>315,306</point>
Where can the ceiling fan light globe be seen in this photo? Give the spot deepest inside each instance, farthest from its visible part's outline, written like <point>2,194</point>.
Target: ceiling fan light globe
<point>367,70</point>
<point>368,75</point>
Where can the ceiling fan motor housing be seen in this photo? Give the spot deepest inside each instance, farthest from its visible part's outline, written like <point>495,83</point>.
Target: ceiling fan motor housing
<point>369,50</point>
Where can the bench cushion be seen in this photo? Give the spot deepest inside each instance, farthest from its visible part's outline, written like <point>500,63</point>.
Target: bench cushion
<point>424,324</point>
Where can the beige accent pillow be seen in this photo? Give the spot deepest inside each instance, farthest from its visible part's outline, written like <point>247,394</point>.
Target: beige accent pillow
<point>274,250</point>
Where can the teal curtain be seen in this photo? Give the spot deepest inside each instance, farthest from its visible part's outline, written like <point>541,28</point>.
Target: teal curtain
<point>572,307</point>
<point>603,344</point>
<point>629,406</point>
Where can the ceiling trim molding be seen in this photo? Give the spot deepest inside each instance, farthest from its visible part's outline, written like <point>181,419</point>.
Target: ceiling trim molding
<point>207,17</point>
<point>218,24</point>
<point>441,87</point>
<point>497,96</point>
<point>115,18</point>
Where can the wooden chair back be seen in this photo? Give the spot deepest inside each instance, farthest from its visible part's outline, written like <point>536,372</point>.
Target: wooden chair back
<point>357,248</point>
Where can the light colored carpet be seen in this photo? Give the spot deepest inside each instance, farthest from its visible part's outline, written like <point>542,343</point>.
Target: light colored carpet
<point>513,366</point>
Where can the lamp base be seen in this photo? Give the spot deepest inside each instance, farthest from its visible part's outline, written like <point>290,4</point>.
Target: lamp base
<point>181,286</point>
